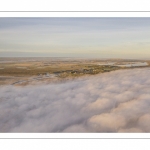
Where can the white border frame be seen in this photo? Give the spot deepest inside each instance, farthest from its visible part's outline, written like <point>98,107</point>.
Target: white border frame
<point>74,135</point>
<point>74,14</point>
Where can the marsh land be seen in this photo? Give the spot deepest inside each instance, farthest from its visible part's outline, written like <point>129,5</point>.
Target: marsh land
<point>22,71</point>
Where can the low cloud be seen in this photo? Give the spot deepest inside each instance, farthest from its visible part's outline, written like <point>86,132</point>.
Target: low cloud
<point>118,101</point>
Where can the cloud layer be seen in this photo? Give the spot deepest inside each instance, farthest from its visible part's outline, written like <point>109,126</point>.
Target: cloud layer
<point>118,101</point>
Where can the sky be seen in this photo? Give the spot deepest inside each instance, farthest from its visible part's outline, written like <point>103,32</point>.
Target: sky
<point>75,37</point>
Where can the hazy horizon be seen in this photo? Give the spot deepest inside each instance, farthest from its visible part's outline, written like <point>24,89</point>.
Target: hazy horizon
<point>74,58</point>
<point>105,38</point>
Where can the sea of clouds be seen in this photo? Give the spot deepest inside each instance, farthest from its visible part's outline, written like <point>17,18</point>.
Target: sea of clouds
<point>117,101</point>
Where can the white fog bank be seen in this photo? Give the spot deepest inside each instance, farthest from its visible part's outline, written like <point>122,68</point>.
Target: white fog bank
<point>117,101</point>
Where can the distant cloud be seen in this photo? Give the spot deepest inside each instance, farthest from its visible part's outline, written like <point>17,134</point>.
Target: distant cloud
<point>118,101</point>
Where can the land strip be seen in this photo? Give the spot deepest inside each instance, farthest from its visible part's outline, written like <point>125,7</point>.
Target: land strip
<point>21,71</point>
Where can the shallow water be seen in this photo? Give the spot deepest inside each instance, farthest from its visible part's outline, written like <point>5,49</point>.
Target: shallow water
<point>134,65</point>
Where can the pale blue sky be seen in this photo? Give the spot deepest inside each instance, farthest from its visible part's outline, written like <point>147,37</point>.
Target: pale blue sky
<point>75,37</point>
